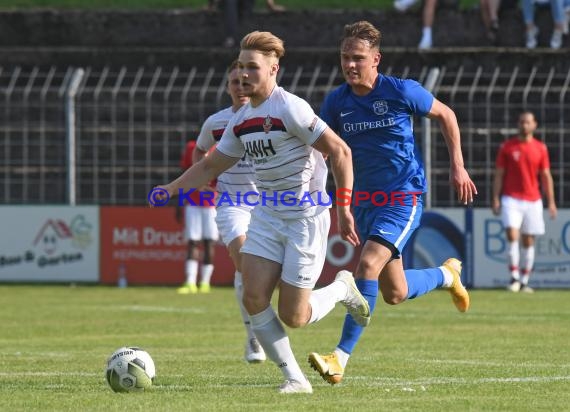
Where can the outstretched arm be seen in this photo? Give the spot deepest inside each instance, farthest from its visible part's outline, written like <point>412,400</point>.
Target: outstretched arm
<point>200,173</point>
<point>458,176</point>
<point>198,154</point>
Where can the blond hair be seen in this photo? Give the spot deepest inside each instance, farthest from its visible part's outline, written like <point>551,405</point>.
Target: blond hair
<point>363,30</point>
<point>264,42</point>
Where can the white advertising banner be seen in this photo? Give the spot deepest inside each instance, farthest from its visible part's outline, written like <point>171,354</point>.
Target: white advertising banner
<point>49,243</point>
<point>440,236</point>
<point>477,237</point>
<point>552,252</point>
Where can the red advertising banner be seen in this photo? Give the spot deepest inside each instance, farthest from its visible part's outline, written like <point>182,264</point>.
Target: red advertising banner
<point>148,245</point>
<point>340,254</point>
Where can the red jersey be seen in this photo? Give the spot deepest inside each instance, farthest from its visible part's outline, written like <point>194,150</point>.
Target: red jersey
<point>522,161</point>
<point>185,163</point>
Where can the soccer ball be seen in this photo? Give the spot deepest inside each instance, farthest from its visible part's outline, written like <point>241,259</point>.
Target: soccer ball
<point>130,369</point>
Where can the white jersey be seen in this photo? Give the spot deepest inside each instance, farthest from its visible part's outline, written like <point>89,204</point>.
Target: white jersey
<point>238,179</point>
<point>277,136</point>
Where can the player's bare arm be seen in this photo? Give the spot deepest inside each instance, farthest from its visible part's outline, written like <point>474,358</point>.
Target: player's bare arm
<point>548,188</point>
<point>497,188</point>
<point>458,176</point>
<point>200,173</point>
<point>197,155</point>
<point>331,145</point>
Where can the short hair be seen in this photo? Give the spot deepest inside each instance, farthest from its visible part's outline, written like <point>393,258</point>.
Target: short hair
<point>527,112</point>
<point>363,30</point>
<point>264,42</point>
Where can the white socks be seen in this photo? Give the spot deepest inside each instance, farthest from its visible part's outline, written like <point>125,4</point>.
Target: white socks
<point>342,357</point>
<point>447,277</point>
<point>274,340</point>
<point>238,289</point>
<point>527,264</point>
<point>514,259</point>
<point>191,271</point>
<point>206,274</point>
<point>426,42</point>
<point>322,301</point>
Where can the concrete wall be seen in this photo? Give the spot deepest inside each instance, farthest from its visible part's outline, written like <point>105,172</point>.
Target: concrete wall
<point>192,28</point>
<point>189,37</point>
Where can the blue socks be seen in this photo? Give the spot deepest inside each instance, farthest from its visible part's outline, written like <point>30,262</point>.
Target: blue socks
<point>351,330</point>
<point>419,282</point>
<point>422,281</point>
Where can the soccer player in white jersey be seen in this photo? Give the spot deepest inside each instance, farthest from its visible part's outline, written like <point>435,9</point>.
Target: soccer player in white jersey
<point>287,236</point>
<point>232,217</point>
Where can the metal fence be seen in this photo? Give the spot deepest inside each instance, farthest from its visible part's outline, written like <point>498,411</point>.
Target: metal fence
<point>131,125</point>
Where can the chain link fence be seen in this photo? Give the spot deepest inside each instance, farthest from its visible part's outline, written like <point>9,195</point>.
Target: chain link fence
<point>132,124</point>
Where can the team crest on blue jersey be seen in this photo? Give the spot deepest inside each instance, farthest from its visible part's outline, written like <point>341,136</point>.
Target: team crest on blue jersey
<point>380,107</point>
<point>267,124</point>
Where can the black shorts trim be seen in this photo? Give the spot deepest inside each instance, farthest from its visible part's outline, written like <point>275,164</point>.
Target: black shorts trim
<point>384,242</point>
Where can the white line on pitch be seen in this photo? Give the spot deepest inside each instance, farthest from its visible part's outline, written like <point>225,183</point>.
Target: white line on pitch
<point>487,363</point>
<point>379,381</point>
<point>406,384</point>
<point>29,373</point>
<point>161,309</point>
<point>48,374</point>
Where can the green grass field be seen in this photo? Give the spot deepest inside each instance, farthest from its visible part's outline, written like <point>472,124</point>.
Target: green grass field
<point>509,353</point>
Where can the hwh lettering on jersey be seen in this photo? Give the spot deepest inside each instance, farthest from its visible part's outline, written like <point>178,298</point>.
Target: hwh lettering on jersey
<point>259,148</point>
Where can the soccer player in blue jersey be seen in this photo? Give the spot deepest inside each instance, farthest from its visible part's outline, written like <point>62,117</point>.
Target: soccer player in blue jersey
<point>373,115</point>
<point>286,241</point>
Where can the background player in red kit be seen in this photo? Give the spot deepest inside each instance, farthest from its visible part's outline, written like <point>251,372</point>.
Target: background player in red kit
<point>200,226</point>
<point>520,161</point>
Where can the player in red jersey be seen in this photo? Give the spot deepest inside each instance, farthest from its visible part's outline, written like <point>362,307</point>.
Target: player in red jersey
<point>200,226</point>
<point>517,198</point>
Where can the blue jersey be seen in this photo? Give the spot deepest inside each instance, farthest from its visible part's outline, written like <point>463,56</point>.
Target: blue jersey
<point>378,129</point>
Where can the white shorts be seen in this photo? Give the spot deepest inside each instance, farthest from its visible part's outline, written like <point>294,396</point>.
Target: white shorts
<point>200,223</point>
<point>299,245</point>
<point>232,222</point>
<point>523,215</point>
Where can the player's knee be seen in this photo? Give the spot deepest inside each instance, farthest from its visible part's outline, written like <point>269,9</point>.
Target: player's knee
<point>367,269</point>
<point>254,302</point>
<point>192,250</point>
<point>292,320</point>
<point>394,297</point>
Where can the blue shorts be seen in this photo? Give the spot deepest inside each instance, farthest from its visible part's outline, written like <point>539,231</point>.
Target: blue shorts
<point>392,224</point>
